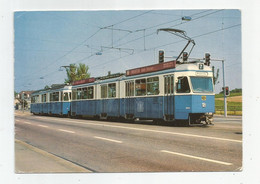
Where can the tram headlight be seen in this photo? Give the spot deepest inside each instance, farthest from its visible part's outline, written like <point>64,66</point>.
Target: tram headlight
<point>203,105</point>
<point>201,66</point>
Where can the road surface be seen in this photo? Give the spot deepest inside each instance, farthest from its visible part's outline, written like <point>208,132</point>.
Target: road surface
<point>105,146</point>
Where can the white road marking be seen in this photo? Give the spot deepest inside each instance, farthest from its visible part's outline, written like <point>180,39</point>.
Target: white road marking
<point>106,139</point>
<point>68,131</point>
<point>195,157</point>
<point>44,126</point>
<point>156,131</point>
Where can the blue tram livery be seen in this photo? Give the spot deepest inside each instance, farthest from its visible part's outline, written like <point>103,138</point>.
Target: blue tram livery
<point>168,91</point>
<point>53,101</point>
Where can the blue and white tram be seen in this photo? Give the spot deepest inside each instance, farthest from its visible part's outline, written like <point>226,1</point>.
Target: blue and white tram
<point>183,92</point>
<point>53,101</point>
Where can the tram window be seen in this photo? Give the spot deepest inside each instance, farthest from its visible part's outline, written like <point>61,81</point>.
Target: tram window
<point>79,93</point>
<point>140,87</point>
<point>129,88</point>
<point>51,97</point>
<point>84,94</point>
<point>153,86</point>
<point>202,84</point>
<point>65,96</point>
<point>44,98</point>
<point>33,99</point>
<point>183,85</point>
<point>90,92</point>
<point>104,91</point>
<point>56,96</point>
<point>74,94</point>
<point>112,90</point>
<point>37,99</point>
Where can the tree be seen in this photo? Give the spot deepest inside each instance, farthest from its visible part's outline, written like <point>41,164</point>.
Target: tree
<point>82,72</point>
<point>75,72</point>
<point>15,94</point>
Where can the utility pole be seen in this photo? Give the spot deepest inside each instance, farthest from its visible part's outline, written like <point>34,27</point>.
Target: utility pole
<point>224,89</point>
<point>23,101</point>
<point>224,84</point>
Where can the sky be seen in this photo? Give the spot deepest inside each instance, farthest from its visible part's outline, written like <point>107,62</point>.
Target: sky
<point>46,40</point>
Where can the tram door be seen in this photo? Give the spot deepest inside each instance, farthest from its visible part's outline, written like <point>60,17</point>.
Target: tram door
<point>169,97</point>
<point>129,100</point>
<point>61,99</point>
<point>103,101</point>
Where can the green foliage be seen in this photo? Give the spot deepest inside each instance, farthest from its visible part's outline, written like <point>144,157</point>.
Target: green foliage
<point>75,72</point>
<point>234,92</point>
<point>15,94</point>
<point>231,106</point>
<point>237,90</point>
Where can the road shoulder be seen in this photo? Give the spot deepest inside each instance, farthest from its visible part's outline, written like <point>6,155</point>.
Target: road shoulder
<point>29,159</point>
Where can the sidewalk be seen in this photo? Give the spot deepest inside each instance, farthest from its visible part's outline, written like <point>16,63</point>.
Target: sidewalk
<point>29,159</point>
<point>20,112</point>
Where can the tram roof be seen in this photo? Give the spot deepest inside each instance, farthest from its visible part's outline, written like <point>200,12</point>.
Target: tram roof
<point>55,87</point>
<point>179,68</point>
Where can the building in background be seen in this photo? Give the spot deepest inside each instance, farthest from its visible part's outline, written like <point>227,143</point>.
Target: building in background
<point>23,100</point>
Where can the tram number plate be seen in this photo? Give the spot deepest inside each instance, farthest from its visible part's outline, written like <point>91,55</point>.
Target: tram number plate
<point>203,98</point>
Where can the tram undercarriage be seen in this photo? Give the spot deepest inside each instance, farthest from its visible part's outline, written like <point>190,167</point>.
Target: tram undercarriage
<point>198,118</point>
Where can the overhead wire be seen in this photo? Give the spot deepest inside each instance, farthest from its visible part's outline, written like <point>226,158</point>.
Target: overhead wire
<point>134,39</point>
<point>55,61</point>
<point>204,34</point>
<point>87,57</point>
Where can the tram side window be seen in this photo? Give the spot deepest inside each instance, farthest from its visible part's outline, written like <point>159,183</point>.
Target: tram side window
<point>104,91</point>
<point>51,97</point>
<point>74,94</point>
<point>79,93</point>
<point>84,93</point>
<point>129,88</point>
<point>140,87</point>
<point>183,85</point>
<point>55,96</point>
<point>90,92</point>
<point>37,100</point>
<point>44,98</point>
<point>153,86</point>
<point>112,90</point>
<point>33,99</point>
<point>66,96</point>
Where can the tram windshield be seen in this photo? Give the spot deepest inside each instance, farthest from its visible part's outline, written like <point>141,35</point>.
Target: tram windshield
<point>202,84</point>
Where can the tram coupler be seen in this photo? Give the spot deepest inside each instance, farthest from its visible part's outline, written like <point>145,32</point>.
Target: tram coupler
<point>195,119</point>
<point>209,120</point>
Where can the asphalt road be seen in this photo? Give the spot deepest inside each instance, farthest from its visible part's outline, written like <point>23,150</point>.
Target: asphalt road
<point>103,146</point>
